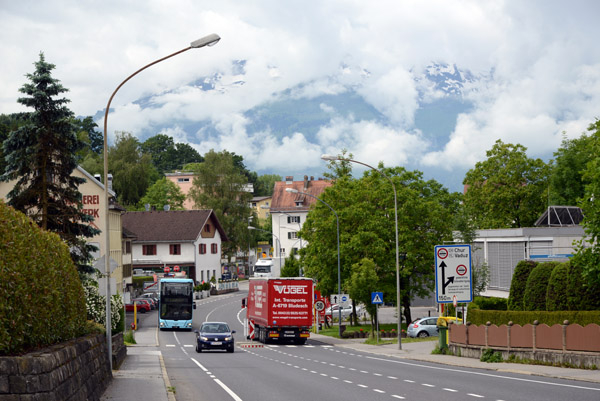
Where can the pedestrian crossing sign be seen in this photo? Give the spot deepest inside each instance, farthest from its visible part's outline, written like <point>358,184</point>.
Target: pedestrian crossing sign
<point>376,298</point>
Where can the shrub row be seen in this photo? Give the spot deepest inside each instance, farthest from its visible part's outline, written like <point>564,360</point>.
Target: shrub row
<point>497,317</point>
<point>41,296</point>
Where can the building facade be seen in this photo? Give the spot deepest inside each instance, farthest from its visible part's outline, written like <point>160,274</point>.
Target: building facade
<point>188,239</point>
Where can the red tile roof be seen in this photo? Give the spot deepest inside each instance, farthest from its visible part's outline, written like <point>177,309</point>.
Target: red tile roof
<point>284,201</point>
<point>172,225</point>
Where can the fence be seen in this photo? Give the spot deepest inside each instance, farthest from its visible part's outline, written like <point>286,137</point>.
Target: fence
<point>566,343</point>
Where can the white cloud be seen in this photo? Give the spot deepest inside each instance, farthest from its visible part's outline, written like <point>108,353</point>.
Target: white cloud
<point>539,59</point>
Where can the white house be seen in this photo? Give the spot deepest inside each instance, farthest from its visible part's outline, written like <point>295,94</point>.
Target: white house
<point>189,239</point>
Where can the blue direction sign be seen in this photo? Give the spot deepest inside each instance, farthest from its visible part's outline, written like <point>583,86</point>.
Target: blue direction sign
<point>377,298</point>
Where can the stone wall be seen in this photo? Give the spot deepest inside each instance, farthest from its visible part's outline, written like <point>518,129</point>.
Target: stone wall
<point>77,370</point>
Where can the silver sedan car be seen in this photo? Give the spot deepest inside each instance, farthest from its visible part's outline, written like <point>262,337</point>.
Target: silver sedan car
<point>423,327</point>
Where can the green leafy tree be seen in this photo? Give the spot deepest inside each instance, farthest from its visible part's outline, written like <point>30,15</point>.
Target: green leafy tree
<point>161,149</point>
<point>567,185</point>
<point>164,192</point>
<point>40,156</point>
<point>90,136</point>
<point>265,184</point>
<point>133,172</point>
<point>534,297</point>
<point>506,190</point>
<point>291,267</point>
<point>556,293</point>
<point>187,154</point>
<point>219,185</point>
<point>9,123</point>
<point>366,212</point>
<point>519,283</point>
<point>588,255</point>
<point>363,280</point>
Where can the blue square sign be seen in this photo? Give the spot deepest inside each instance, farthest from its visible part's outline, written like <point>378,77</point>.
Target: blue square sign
<point>376,298</point>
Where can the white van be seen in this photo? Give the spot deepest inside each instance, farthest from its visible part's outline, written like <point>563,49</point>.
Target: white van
<point>263,268</point>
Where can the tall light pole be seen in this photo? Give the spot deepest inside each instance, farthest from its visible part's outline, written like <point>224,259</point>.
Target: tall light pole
<point>209,40</point>
<point>295,191</point>
<point>398,297</point>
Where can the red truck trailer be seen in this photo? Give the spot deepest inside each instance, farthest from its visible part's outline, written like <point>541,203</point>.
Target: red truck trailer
<point>280,309</point>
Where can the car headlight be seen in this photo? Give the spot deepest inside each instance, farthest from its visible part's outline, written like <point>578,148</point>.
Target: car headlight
<point>228,338</point>
<point>203,338</point>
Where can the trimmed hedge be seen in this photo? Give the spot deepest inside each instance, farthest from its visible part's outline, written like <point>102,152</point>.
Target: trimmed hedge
<point>534,297</point>
<point>556,293</point>
<point>489,303</point>
<point>41,296</point>
<point>479,317</point>
<point>518,284</point>
<point>580,295</point>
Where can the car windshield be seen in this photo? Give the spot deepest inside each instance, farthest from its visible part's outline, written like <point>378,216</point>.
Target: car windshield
<point>215,328</point>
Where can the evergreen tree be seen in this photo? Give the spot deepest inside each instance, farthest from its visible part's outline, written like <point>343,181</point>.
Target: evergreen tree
<point>40,156</point>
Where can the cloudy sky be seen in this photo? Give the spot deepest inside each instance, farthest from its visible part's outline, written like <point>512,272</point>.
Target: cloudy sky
<point>537,63</point>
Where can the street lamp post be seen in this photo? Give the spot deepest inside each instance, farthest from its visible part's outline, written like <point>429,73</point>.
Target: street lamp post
<point>295,191</point>
<point>209,40</point>
<point>398,297</point>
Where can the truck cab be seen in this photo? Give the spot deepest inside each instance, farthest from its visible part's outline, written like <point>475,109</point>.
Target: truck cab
<point>263,268</point>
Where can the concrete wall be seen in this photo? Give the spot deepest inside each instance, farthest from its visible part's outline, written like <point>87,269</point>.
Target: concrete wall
<point>76,370</point>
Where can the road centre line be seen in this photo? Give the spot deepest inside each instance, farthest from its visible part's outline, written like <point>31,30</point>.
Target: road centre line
<point>219,382</point>
<point>482,374</point>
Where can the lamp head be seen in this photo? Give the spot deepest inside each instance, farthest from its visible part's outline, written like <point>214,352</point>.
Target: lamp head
<point>292,190</point>
<point>251,228</point>
<point>209,40</point>
<point>329,157</point>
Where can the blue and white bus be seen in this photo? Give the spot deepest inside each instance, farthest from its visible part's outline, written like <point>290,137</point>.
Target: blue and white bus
<point>176,303</point>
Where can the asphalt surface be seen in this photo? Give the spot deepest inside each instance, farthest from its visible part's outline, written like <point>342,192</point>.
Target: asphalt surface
<point>143,375</point>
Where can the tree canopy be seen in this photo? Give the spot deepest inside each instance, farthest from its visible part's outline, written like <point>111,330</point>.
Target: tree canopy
<point>365,208</point>
<point>168,156</point>
<point>219,185</point>
<point>40,156</point>
<point>164,192</point>
<point>507,190</point>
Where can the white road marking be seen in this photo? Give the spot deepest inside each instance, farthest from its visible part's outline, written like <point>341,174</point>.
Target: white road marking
<point>450,389</point>
<point>398,396</point>
<point>409,381</point>
<point>363,386</point>
<point>427,385</point>
<point>475,395</point>
<point>379,391</point>
<point>481,374</point>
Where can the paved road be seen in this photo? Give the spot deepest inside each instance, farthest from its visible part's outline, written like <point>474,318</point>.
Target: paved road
<point>318,371</point>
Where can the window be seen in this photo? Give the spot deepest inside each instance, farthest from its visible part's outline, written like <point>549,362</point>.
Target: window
<point>202,276</point>
<point>293,219</point>
<point>282,251</point>
<point>202,249</point>
<point>298,203</point>
<point>183,180</point>
<point>207,228</point>
<point>175,249</point>
<point>127,247</point>
<point>214,248</point>
<point>292,235</point>
<point>148,249</point>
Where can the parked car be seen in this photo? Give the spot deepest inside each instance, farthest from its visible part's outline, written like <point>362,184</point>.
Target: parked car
<point>346,311</point>
<point>423,327</point>
<point>149,302</point>
<point>142,307</point>
<point>150,295</point>
<point>214,335</point>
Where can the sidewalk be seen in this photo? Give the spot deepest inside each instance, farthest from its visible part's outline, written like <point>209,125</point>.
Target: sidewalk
<point>142,376</point>
<point>421,351</point>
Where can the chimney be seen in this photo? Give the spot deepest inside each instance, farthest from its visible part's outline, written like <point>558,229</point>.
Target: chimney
<point>312,178</point>
<point>98,177</point>
<point>289,179</point>
<point>110,180</point>
<point>305,182</point>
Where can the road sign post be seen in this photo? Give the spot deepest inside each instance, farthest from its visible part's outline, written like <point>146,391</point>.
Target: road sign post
<point>377,299</point>
<point>453,275</point>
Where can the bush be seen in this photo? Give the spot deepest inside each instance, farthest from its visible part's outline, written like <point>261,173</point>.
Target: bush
<point>556,293</point>
<point>580,294</point>
<point>490,303</point>
<point>41,296</point>
<point>518,284</point>
<point>534,297</point>
<point>583,318</point>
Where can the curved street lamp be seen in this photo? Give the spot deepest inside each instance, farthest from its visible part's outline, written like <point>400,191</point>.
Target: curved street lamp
<point>209,40</point>
<point>399,306</point>
<point>295,191</point>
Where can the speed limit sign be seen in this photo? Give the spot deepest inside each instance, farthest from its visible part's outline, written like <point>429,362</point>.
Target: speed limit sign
<point>319,305</point>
